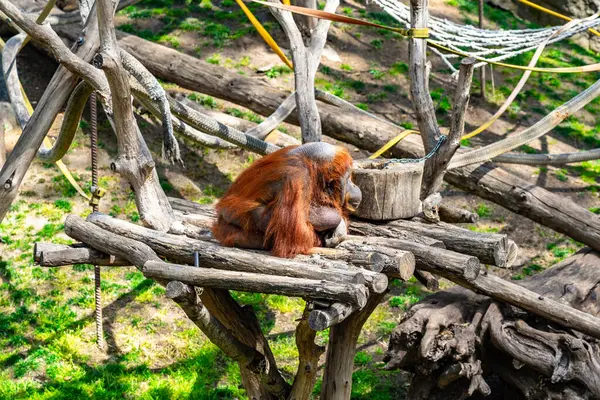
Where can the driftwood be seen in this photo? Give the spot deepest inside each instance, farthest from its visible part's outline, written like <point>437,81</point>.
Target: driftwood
<point>458,342</point>
<point>252,282</point>
<point>490,248</point>
<point>370,134</point>
<point>382,199</point>
<point>56,255</point>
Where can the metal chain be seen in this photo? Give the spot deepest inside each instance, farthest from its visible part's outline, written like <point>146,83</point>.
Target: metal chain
<point>417,160</point>
<point>97,277</point>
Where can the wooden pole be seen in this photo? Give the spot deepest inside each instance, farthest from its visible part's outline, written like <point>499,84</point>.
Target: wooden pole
<point>482,70</point>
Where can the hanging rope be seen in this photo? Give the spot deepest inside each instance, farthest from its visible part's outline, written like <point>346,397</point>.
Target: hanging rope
<point>97,194</point>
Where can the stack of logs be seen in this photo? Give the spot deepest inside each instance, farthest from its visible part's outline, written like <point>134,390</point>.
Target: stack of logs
<point>338,281</point>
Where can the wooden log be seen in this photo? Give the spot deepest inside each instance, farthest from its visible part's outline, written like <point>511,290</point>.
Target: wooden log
<point>388,192</point>
<point>455,215</point>
<point>323,318</point>
<point>135,252</point>
<point>428,280</point>
<point>386,230</point>
<point>431,207</point>
<point>335,262</point>
<point>211,255</point>
<point>432,259</point>
<point>253,282</point>
<point>519,296</point>
<point>187,298</point>
<point>490,248</point>
<point>518,195</point>
<point>395,263</point>
<point>56,255</point>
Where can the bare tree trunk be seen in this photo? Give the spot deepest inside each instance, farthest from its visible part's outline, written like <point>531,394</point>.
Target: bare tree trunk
<point>337,379</point>
<point>306,24</point>
<point>482,70</point>
<point>134,161</point>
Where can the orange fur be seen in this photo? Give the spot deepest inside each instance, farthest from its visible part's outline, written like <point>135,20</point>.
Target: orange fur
<point>284,185</point>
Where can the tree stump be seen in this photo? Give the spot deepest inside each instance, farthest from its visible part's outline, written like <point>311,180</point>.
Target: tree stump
<point>459,343</point>
<point>387,192</point>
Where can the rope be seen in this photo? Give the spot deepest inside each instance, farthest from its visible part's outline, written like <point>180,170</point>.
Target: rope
<point>94,204</point>
<point>452,38</point>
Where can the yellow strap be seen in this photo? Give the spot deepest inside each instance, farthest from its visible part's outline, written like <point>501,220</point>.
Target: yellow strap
<point>564,70</point>
<point>553,13</point>
<point>264,34</point>
<point>392,143</point>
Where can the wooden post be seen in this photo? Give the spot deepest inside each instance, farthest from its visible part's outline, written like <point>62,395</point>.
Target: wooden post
<point>306,60</point>
<point>482,70</point>
<point>419,77</point>
<point>435,167</point>
<point>339,365</point>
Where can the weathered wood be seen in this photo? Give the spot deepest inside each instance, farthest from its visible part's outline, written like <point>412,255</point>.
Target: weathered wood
<point>455,215</point>
<point>396,263</point>
<point>211,255</point>
<point>187,298</point>
<point>435,167</point>
<point>432,259</point>
<point>385,230</point>
<point>134,161</point>
<point>306,60</point>
<point>337,378</point>
<point>512,348</point>
<point>428,280</point>
<point>490,248</point>
<point>518,195</point>
<point>56,255</point>
<point>388,192</point>
<point>309,354</point>
<point>323,318</point>
<point>252,282</point>
<point>60,87</point>
<point>137,253</point>
<point>431,207</point>
<point>419,77</point>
